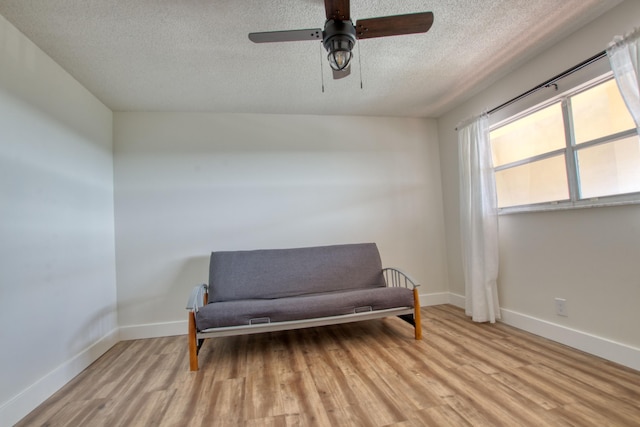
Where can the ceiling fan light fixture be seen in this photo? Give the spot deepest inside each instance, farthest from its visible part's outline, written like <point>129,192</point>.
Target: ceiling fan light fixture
<point>338,39</point>
<point>340,55</point>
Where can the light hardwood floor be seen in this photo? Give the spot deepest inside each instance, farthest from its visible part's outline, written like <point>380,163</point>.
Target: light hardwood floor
<point>363,374</point>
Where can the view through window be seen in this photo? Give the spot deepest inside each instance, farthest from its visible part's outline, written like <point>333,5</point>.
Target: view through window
<point>575,150</point>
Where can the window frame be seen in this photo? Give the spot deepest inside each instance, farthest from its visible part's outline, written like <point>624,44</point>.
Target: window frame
<point>570,152</point>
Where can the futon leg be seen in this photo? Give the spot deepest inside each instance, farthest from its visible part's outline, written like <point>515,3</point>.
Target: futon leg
<point>193,343</point>
<point>416,314</point>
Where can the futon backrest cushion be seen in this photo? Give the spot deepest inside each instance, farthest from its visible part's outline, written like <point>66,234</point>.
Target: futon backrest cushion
<point>278,273</point>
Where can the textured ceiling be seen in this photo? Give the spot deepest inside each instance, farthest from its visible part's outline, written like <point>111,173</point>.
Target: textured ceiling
<point>194,55</point>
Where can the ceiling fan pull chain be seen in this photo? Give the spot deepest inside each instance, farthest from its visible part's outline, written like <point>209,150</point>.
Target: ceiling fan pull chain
<point>321,72</point>
<point>360,64</point>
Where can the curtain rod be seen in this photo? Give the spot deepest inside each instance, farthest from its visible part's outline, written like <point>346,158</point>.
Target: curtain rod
<point>551,81</point>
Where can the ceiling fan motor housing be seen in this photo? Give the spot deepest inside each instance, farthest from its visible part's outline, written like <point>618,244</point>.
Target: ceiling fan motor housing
<point>338,39</point>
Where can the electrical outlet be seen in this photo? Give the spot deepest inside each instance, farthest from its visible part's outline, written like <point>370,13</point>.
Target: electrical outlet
<point>561,307</point>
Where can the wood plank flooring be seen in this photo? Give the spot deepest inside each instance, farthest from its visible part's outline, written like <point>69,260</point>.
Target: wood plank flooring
<point>362,374</point>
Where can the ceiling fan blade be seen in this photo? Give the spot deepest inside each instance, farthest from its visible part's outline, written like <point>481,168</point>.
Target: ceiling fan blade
<point>337,9</point>
<point>394,25</point>
<point>337,75</point>
<point>286,36</point>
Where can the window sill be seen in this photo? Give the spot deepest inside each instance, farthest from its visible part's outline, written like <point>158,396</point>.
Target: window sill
<point>628,199</point>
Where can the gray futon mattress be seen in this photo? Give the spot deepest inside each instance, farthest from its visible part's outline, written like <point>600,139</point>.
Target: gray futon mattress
<point>247,311</point>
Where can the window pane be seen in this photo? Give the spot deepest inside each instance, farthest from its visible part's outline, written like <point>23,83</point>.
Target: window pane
<point>608,169</point>
<point>537,133</point>
<point>537,182</point>
<point>598,112</point>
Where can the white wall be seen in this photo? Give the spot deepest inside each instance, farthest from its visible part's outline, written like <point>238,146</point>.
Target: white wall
<point>57,274</point>
<point>187,184</point>
<point>589,257</point>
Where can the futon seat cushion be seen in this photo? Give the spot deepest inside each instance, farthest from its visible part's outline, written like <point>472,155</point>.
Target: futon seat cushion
<point>245,312</point>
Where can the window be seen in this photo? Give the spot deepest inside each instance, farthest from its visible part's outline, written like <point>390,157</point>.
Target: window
<point>578,149</point>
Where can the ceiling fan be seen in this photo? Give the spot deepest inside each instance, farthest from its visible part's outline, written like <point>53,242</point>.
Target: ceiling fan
<point>339,34</point>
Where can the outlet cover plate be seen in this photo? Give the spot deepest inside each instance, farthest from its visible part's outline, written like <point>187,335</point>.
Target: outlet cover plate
<point>561,307</point>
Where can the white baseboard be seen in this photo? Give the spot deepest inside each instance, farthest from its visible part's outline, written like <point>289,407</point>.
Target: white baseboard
<point>28,399</point>
<point>437,298</point>
<point>153,330</point>
<point>592,344</point>
<point>589,343</point>
<point>457,300</point>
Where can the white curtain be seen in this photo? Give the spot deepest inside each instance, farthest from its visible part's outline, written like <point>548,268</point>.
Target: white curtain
<point>623,54</point>
<point>478,220</point>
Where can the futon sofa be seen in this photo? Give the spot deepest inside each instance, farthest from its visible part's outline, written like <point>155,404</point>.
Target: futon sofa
<point>278,289</point>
